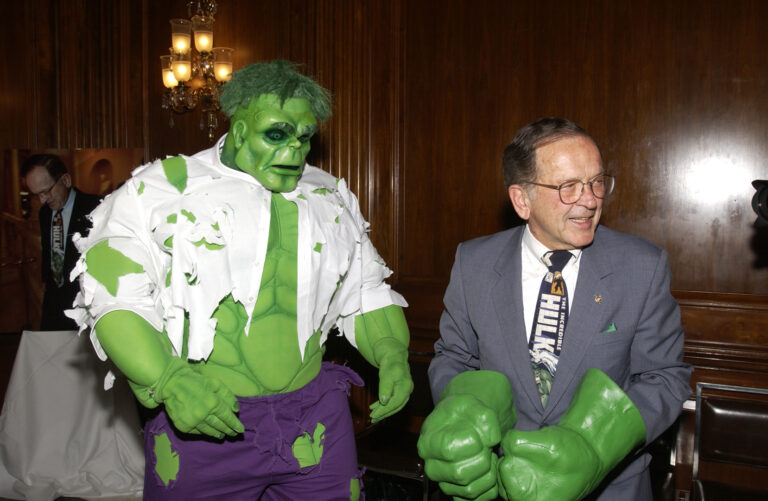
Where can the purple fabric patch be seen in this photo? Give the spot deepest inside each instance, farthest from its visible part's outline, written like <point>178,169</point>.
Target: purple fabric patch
<point>260,464</point>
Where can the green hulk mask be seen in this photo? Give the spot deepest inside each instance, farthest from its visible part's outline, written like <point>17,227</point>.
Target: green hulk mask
<point>270,140</point>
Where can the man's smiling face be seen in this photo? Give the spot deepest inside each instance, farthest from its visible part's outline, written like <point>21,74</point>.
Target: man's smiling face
<point>272,141</point>
<point>553,223</point>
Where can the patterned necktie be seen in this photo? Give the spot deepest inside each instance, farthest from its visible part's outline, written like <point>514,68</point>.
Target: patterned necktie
<point>549,322</point>
<point>57,248</point>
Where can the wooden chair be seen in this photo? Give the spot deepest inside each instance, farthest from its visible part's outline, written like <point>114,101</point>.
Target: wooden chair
<point>730,452</point>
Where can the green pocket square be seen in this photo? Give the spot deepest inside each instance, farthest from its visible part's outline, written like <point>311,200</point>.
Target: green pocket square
<point>611,328</point>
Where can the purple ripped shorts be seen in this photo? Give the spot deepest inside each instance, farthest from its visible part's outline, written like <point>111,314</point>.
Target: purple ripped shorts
<point>259,464</point>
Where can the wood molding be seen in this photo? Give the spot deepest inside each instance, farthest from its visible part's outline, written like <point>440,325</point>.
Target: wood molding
<point>726,337</point>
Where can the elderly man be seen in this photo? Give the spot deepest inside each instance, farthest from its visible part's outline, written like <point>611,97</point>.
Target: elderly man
<point>62,214</point>
<point>560,340</point>
<point>213,281</point>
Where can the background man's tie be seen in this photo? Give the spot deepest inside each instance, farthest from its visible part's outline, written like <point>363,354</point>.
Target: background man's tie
<point>549,322</point>
<point>57,248</point>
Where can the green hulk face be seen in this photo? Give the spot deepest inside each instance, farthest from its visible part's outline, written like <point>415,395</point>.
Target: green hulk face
<point>271,142</point>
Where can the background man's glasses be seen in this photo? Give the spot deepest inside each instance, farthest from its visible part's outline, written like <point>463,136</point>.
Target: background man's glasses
<point>46,192</point>
<point>571,191</point>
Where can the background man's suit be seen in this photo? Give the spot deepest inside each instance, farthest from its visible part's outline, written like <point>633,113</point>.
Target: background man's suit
<point>58,299</point>
<point>623,320</point>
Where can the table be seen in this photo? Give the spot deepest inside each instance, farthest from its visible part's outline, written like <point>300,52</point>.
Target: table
<point>61,433</point>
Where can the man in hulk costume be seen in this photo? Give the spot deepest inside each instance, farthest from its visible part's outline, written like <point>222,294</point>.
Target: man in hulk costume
<point>212,282</point>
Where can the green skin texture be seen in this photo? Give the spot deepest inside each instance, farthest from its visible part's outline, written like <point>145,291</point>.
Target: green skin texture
<point>565,461</point>
<point>269,142</point>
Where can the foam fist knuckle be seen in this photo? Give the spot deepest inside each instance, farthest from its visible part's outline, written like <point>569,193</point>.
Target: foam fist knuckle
<point>433,470</point>
<point>475,467</point>
<point>476,490</point>
<point>451,489</point>
<point>455,446</point>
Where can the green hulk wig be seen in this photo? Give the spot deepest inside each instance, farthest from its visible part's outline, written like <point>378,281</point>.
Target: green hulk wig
<point>276,77</point>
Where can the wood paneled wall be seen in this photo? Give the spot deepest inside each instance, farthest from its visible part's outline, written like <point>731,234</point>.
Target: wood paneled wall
<point>428,93</point>
<point>73,75</point>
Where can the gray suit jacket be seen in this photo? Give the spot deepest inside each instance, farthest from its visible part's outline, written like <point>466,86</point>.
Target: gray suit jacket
<point>624,282</point>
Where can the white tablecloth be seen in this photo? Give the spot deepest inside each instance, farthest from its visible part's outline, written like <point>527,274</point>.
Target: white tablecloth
<point>61,434</point>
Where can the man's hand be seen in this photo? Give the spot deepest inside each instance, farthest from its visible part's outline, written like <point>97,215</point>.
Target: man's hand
<point>195,403</point>
<point>456,444</point>
<point>395,384</point>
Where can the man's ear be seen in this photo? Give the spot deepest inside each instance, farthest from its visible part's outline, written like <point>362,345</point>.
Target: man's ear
<point>66,180</point>
<point>239,129</point>
<point>520,201</point>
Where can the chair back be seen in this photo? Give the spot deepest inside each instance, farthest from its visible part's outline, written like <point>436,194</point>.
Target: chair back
<point>730,451</point>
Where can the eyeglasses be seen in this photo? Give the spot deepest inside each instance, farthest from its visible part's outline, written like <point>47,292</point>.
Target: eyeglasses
<point>43,194</point>
<point>571,191</point>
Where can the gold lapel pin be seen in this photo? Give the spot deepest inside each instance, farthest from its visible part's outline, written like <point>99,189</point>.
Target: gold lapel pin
<point>598,298</point>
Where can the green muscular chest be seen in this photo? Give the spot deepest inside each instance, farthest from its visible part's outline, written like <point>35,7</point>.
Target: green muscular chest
<point>268,359</point>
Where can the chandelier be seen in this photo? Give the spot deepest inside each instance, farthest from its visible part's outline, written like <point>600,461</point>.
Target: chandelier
<point>193,78</point>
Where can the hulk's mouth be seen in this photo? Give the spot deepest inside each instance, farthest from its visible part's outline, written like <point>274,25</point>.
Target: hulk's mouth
<point>287,167</point>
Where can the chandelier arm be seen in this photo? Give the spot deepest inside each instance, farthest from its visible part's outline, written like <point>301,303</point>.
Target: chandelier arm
<point>198,85</point>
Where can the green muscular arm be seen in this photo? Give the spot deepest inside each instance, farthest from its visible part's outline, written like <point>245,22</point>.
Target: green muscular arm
<point>458,437</point>
<point>195,403</point>
<point>382,338</point>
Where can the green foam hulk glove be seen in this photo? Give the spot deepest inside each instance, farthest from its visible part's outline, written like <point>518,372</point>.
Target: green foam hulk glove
<point>195,403</point>
<point>458,437</point>
<point>395,384</point>
<point>382,338</point>
<point>568,460</point>
<point>143,395</point>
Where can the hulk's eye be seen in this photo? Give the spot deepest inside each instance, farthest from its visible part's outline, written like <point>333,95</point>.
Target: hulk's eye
<point>305,137</point>
<point>275,135</point>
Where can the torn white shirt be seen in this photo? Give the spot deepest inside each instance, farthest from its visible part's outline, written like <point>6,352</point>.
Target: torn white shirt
<point>209,240</point>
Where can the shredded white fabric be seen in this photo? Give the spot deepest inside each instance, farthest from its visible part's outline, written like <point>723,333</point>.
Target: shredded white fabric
<point>210,240</point>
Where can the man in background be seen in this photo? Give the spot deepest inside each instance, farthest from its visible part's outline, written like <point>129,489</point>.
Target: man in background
<point>62,214</point>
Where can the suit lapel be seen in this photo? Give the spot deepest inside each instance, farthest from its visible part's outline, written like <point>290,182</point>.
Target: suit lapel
<point>77,220</point>
<point>75,226</point>
<point>585,319</point>
<point>508,301</point>
<point>45,216</point>
<point>78,223</point>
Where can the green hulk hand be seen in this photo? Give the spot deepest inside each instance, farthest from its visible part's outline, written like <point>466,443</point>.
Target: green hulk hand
<point>382,338</point>
<point>395,384</point>
<point>568,460</point>
<point>195,403</point>
<point>458,437</point>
